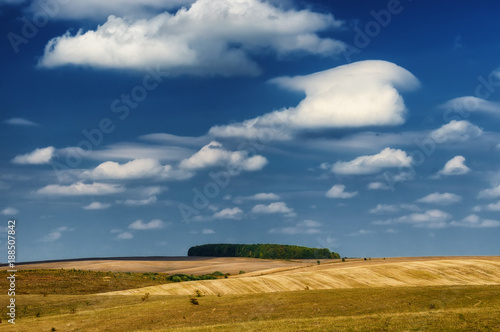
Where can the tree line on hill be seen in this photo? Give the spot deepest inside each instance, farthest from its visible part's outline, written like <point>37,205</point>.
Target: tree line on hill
<point>273,251</point>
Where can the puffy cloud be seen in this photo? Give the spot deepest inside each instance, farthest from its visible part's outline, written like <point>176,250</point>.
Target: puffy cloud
<point>20,122</point>
<point>277,207</point>
<point>141,225</point>
<point>387,158</point>
<point>55,234</point>
<point>456,132</point>
<point>428,219</point>
<point>136,169</point>
<point>474,221</point>
<point>211,37</point>
<point>213,154</point>
<point>97,206</point>
<point>81,189</point>
<point>338,191</point>
<point>472,104</point>
<point>493,206</point>
<point>36,157</point>
<point>455,166</point>
<point>384,208</point>
<point>354,95</point>
<point>378,186</point>
<point>234,213</point>
<point>125,236</point>
<point>440,199</point>
<point>490,193</point>
<point>139,202</point>
<point>9,211</point>
<point>264,197</point>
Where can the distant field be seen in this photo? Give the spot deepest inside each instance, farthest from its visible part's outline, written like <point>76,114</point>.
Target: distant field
<point>397,294</point>
<point>171,265</point>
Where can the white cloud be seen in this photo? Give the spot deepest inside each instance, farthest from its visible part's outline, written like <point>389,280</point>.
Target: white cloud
<point>440,199</point>
<point>36,157</point>
<point>55,234</point>
<point>338,191</point>
<point>264,197</point>
<point>234,213</point>
<point>125,236</point>
<point>213,154</point>
<point>463,105</point>
<point>384,208</point>
<point>97,206</point>
<point>9,211</point>
<point>141,225</point>
<point>139,202</point>
<point>455,166</point>
<point>277,207</point>
<point>391,208</point>
<point>428,219</point>
<point>20,122</point>
<point>474,221</point>
<point>354,95</point>
<point>211,37</point>
<point>99,10</point>
<point>136,169</point>
<point>456,132</point>
<point>378,186</point>
<point>387,158</point>
<point>129,151</point>
<point>361,232</point>
<point>81,189</point>
<point>490,193</point>
<point>208,231</point>
<point>493,206</point>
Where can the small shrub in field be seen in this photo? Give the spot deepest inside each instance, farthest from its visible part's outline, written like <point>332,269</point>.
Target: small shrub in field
<point>145,297</point>
<point>38,314</point>
<point>194,301</point>
<point>241,272</point>
<point>198,293</point>
<point>53,329</point>
<point>72,310</point>
<point>365,258</point>
<point>318,262</point>
<point>176,279</point>
<point>343,259</point>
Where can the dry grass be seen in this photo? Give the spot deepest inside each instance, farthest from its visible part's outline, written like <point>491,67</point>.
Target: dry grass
<point>381,274</point>
<point>447,294</point>
<point>457,308</point>
<point>172,265</point>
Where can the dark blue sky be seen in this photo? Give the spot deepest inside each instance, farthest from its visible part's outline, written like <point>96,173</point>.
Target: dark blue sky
<point>369,127</point>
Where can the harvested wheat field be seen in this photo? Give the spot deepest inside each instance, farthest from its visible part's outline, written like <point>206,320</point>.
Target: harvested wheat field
<point>170,265</point>
<point>377,273</point>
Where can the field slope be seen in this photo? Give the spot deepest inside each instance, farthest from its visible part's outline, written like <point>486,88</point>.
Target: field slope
<point>441,272</point>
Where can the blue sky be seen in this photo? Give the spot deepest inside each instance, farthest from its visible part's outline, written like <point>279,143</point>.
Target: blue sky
<point>146,127</point>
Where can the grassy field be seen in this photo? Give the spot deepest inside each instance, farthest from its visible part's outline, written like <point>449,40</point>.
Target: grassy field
<point>465,308</point>
<point>411,294</point>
